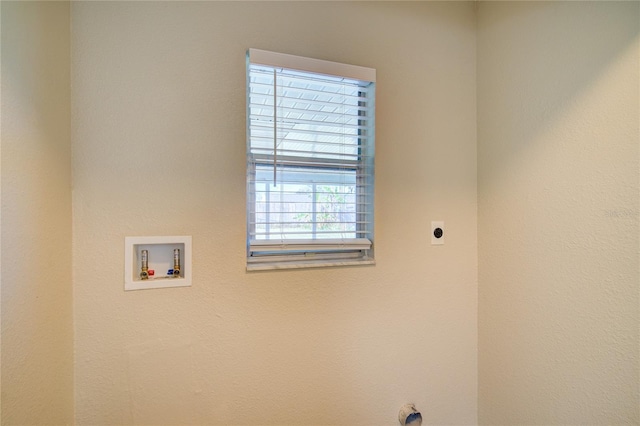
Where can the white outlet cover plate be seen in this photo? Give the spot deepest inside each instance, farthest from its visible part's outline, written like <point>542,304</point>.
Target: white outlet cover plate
<point>434,225</point>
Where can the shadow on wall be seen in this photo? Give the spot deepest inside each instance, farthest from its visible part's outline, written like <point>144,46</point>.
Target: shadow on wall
<point>563,59</point>
<point>557,158</point>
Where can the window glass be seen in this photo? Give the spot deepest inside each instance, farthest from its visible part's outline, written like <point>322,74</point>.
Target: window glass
<point>310,151</point>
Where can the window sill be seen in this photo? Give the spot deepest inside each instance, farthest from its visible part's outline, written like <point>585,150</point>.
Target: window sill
<point>307,264</point>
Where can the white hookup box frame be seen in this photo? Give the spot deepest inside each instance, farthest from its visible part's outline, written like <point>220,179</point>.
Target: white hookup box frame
<point>160,251</point>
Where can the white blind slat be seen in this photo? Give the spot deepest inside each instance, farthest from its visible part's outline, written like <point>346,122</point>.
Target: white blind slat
<point>310,244</point>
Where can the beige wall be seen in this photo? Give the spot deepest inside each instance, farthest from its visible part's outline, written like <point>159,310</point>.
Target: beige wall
<point>558,190</point>
<point>37,330</point>
<point>159,149</point>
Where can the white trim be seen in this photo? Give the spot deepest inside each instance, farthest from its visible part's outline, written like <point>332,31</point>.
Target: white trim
<point>264,57</point>
<point>307,264</point>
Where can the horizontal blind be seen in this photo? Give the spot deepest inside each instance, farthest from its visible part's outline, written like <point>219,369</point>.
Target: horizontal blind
<point>310,153</point>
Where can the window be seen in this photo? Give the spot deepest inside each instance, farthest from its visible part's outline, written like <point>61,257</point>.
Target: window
<point>310,157</point>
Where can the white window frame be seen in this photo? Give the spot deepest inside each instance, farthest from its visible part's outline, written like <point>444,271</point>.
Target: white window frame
<point>284,253</point>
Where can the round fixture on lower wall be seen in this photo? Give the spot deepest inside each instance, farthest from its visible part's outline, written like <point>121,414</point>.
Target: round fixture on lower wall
<point>409,416</point>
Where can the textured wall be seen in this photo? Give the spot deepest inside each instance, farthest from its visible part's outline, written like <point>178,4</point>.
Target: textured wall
<point>558,190</point>
<point>37,329</point>
<point>159,149</point>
